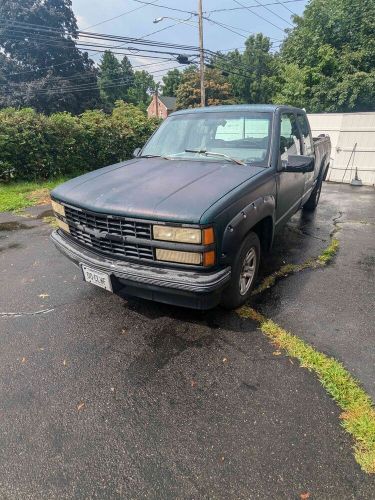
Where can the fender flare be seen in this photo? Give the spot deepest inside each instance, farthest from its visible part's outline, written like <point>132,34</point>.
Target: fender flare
<point>244,221</point>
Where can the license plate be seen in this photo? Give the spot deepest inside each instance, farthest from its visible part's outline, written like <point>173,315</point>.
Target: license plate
<point>97,278</point>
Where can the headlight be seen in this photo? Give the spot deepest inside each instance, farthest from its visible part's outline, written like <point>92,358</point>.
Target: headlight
<point>178,234</point>
<point>184,234</point>
<point>57,208</point>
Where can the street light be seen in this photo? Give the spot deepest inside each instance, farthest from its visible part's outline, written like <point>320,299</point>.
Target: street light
<point>201,49</point>
<point>183,21</point>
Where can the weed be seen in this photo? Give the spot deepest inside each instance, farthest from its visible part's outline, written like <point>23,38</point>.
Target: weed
<point>358,417</point>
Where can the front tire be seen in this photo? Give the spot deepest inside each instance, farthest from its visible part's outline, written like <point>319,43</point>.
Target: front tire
<point>244,273</point>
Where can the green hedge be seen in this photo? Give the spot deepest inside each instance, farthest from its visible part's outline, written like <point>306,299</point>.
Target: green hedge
<point>34,146</point>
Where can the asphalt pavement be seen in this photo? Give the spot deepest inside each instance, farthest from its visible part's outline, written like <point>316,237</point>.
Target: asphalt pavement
<point>105,398</point>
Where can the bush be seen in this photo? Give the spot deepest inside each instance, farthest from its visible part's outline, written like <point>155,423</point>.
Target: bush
<point>35,147</point>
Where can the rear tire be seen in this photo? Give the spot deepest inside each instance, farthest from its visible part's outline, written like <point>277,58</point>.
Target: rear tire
<point>244,273</point>
<point>313,201</point>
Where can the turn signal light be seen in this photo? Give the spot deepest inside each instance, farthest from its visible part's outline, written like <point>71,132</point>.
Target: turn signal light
<point>208,236</point>
<point>209,258</point>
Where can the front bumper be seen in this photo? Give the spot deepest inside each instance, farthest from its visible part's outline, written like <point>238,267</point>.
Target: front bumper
<point>197,290</point>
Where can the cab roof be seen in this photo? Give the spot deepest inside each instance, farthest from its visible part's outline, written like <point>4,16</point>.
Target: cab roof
<point>258,108</point>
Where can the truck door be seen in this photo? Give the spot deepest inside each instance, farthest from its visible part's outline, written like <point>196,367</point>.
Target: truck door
<point>291,185</point>
<point>307,148</point>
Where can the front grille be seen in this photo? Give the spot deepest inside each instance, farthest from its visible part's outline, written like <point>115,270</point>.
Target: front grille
<point>114,229</point>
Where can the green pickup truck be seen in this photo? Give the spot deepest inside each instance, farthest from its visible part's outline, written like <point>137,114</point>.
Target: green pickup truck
<point>186,220</point>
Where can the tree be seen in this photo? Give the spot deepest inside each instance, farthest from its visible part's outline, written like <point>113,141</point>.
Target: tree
<point>171,81</point>
<point>115,79</point>
<point>333,44</point>
<point>252,74</point>
<point>218,89</point>
<point>44,68</point>
<point>127,73</point>
<point>110,79</point>
<point>143,86</point>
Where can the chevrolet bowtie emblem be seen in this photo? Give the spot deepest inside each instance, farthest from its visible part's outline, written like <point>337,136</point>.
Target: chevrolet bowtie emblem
<point>101,235</point>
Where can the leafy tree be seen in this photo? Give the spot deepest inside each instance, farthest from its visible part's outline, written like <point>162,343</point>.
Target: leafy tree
<point>127,73</point>
<point>218,89</point>
<point>251,73</point>
<point>110,79</point>
<point>143,85</point>
<point>43,67</point>
<point>292,86</point>
<point>115,79</point>
<point>333,44</point>
<point>171,81</point>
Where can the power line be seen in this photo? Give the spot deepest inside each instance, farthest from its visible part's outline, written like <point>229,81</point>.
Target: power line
<point>286,7</point>
<point>102,36</point>
<point>121,15</point>
<point>258,15</point>
<point>253,6</point>
<point>228,27</point>
<point>50,42</point>
<point>272,12</point>
<point>82,75</point>
<point>90,86</point>
<point>167,7</point>
<point>99,52</point>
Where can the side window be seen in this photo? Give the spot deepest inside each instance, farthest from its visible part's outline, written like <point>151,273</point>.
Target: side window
<point>306,137</point>
<point>290,140</point>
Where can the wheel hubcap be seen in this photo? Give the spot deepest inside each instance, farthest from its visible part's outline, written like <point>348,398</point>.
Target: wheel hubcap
<point>247,271</point>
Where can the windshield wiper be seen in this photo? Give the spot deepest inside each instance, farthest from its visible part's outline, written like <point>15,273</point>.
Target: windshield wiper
<point>155,156</point>
<point>212,153</point>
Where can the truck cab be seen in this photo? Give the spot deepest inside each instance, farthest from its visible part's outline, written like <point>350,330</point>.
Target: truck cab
<point>187,219</point>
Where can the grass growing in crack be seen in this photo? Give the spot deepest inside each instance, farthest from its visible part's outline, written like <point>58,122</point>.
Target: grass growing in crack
<point>358,417</point>
<point>329,252</point>
<point>324,258</point>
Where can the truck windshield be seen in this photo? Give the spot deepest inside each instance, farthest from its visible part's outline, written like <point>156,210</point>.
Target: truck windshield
<point>244,136</point>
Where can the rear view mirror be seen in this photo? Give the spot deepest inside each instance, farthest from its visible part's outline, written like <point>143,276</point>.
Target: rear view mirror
<point>136,152</point>
<point>298,163</point>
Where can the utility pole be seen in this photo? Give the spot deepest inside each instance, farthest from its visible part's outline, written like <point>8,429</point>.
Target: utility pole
<point>201,50</point>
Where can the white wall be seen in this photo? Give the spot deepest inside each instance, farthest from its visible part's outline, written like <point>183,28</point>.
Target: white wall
<point>345,130</point>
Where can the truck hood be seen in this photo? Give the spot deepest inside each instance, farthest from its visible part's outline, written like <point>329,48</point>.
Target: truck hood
<point>155,188</point>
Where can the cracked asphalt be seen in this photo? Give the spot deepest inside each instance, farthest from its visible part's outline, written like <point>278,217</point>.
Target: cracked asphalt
<point>103,398</point>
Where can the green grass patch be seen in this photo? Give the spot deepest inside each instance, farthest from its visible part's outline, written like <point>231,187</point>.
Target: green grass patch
<point>358,417</point>
<point>17,196</point>
<point>329,252</point>
<point>324,258</point>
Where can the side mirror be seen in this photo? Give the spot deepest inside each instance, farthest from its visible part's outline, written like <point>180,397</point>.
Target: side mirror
<point>136,152</point>
<point>298,163</point>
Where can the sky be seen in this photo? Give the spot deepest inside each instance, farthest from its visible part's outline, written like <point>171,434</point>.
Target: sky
<point>136,20</point>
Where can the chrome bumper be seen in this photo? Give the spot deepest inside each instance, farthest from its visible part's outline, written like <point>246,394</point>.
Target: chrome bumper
<point>168,278</point>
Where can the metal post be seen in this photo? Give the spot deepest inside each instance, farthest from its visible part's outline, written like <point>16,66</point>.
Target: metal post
<point>201,50</point>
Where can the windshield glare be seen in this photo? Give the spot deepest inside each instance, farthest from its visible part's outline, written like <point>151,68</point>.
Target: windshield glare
<point>243,135</point>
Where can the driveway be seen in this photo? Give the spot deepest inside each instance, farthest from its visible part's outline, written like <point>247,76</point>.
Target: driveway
<point>103,398</point>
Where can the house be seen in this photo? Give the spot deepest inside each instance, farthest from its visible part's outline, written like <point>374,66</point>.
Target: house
<point>161,106</point>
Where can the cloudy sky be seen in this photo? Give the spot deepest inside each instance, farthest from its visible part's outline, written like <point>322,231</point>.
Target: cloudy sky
<point>135,19</point>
